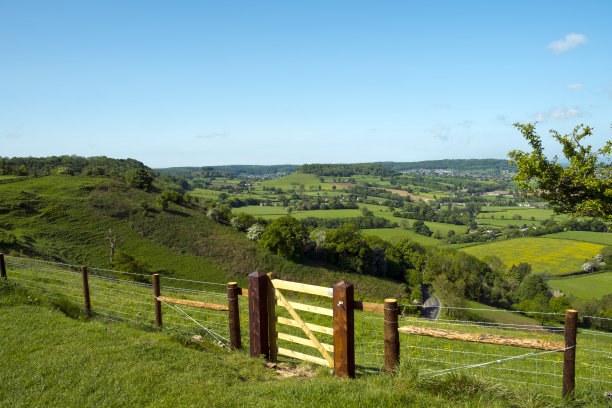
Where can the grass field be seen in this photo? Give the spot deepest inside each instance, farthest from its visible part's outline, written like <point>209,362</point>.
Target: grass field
<point>393,235</point>
<point>603,238</point>
<point>294,180</point>
<point>54,358</point>
<point>556,256</point>
<point>587,287</point>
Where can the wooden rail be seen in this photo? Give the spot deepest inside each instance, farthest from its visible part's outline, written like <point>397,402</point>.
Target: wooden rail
<point>193,303</point>
<point>313,327</point>
<point>302,356</point>
<point>484,338</point>
<point>369,307</point>
<point>303,288</point>
<point>303,341</point>
<point>312,309</point>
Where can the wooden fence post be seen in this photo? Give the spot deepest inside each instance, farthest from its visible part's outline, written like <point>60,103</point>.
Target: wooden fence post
<point>2,267</point>
<point>86,298</point>
<point>392,344</point>
<point>156,294</point>
<point>272,334</point>
<point>569,355</point>
<point>344,330</point>
<point>234,315</point>
<point>258,314</point>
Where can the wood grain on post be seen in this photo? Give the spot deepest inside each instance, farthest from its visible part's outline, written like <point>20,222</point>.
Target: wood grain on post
<point>234,315</point>
<point>392,344</point>
<point>344,330</point>
<point>272,334</point>
<point>2,267</point>
<point>569,355</point>
<point>86,298</point>
<point>258,314</point>
<point>156,294</point>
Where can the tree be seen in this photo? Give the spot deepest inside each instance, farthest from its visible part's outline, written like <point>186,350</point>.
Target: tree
<point>286,237</point>
<point>348,248</point>
<point>583,188</point>
<point>112,239</point>
<point>139,178</point>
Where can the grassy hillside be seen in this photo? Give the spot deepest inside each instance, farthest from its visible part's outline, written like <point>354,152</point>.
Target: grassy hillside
<point>66,219</point>
<point>557,256</point>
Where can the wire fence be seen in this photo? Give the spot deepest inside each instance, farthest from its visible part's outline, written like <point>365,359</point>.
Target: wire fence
<point>123,296</point>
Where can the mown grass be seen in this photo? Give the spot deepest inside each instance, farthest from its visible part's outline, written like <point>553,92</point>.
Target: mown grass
<point>50,359</point>
<point>592,286</point>
<point>556,256</point>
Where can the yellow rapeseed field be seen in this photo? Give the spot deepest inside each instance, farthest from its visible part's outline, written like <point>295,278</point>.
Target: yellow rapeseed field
<point>557,256</point>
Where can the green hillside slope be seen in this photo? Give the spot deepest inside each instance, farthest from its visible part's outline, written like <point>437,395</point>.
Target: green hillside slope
<point>67,218</point>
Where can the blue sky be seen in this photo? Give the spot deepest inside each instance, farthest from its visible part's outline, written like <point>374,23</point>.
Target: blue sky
<point>208,83</point>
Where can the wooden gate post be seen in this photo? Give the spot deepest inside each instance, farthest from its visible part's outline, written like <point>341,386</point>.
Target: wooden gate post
<point>569,355</point>
<point>234,315</point>
<point>156,294</point>
<point>392,344</point>
<point>272,334</point>
<point>2,267</point>
<point>258,314</point>
<point>344,330</point>
<point>86,298</point>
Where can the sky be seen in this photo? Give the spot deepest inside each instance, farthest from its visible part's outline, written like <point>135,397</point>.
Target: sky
<point>199,83</point>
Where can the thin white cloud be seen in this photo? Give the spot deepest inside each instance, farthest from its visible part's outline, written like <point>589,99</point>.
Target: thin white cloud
<point>13,136</point>
<point>214,135</point>
<point>571,40</point>
<point>559,113</point>
<point>466,124</point>
<point>575,86</point>
<point>440,132</point>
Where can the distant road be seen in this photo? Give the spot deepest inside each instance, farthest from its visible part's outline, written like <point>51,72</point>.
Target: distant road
<point>431,306</point>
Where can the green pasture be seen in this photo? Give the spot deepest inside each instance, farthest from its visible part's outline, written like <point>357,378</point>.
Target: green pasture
<point>603,238</point>
<point>294,180</point>
<point>556,256</point>
<point>592,286</point>
<point>492,314</point>
<point>394,235</point>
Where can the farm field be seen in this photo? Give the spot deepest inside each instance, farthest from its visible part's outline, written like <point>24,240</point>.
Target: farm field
<point>393,235</point>
<point>294,180</point>
<point>492,314</point>
<point>603,238</point>
<point>556,256</point>
<point>592,286</point>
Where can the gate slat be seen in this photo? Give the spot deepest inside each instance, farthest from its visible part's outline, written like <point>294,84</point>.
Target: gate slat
<point>303,341</point>
<point>313,327</point>
<point>302,356</point>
